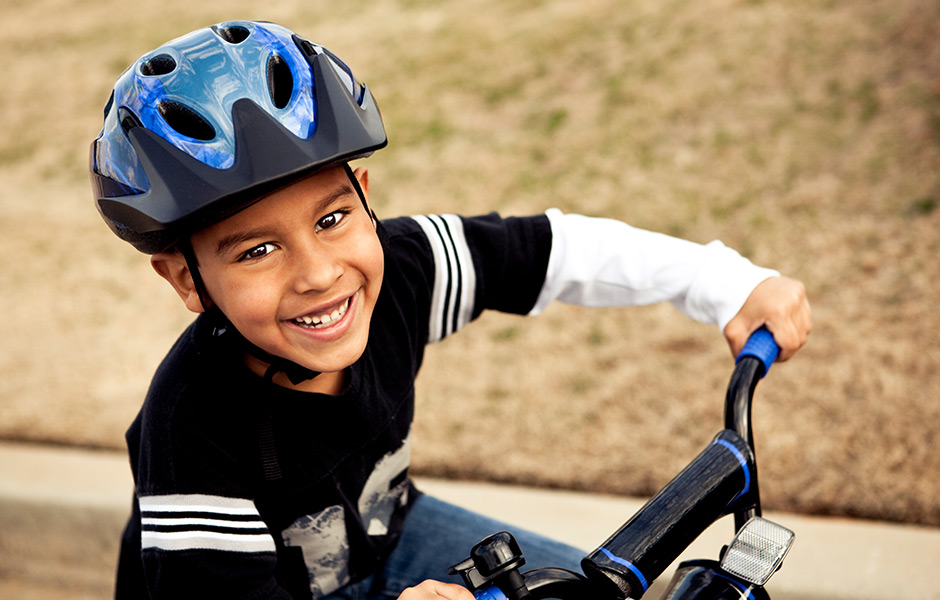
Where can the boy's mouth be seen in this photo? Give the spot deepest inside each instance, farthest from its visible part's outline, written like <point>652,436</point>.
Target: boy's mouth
<point>325,319</point>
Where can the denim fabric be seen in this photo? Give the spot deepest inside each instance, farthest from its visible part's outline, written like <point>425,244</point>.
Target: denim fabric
<point>438,535</point>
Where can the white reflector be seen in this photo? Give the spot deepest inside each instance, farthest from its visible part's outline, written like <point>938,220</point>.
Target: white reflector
<point>757,551</point>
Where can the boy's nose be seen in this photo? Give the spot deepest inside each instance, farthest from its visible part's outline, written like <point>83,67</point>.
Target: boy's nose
<point>315,271</point>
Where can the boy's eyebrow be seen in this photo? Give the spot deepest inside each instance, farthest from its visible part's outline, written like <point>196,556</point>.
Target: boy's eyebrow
<point>226,243</point>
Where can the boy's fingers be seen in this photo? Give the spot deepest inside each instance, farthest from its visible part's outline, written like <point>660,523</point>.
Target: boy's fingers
<point>788,338</point>
<point>780,304</point>
<point>791,330</point>
<point>430,590</point>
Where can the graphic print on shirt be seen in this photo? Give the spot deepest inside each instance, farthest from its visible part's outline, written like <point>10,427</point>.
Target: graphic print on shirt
<point>322,537</point>
<point>385,490</point>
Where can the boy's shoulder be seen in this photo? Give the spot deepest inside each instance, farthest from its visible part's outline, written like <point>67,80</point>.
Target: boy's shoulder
<point>453,234</point>
<point>406,245</point>
<point>402,232</point>
<point>399,226</point>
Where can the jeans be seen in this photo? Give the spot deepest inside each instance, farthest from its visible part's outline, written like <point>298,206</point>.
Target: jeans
<point>438,535</point>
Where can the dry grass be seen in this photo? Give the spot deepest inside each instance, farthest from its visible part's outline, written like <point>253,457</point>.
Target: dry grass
<point>806,135</point>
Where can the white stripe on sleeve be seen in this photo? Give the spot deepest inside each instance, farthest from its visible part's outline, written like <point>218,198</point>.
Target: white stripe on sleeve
<point>202,522</point>
<point>454,277</point>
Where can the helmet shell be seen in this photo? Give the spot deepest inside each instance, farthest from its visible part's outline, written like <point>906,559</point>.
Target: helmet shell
<point>208,123</point>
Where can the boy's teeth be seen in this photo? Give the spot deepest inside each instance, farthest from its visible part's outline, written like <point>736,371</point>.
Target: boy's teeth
<point>323,320</point>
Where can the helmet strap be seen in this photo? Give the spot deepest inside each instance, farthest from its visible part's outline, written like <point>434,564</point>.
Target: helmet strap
<point>355,183</point>
<point>185,247</point>
<point>222,329</point>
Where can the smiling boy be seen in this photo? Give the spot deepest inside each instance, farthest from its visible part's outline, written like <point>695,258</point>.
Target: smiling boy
<point>270,457</point>
<point>298,274</point>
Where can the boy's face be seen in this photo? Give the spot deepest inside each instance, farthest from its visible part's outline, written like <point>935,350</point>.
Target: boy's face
<point>299,272</point>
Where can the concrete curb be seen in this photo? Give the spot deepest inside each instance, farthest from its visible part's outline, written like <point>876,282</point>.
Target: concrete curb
<point>62,510</point>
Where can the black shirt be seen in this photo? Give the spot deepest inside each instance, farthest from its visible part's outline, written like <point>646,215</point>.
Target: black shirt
<point>248,490</point>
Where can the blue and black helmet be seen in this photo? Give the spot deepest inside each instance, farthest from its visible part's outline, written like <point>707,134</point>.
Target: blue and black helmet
<point>208,123</point>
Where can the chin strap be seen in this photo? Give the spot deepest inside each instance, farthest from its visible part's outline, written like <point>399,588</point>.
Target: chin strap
<point>185,246</point>
<point>222,329</point>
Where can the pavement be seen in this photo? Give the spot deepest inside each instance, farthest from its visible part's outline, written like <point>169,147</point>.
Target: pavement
<point>62,511</point>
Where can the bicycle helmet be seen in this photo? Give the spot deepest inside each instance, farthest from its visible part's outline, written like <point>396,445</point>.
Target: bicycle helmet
<point>208,123</point>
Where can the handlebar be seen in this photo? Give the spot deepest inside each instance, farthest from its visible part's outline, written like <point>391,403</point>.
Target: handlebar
<point>751,365</point>
<point>720,480</point>
<point>762,346</point>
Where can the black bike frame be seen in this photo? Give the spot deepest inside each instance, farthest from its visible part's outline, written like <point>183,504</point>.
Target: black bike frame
<point>747,374</point>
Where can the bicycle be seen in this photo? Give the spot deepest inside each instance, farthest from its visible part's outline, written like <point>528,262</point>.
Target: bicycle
<point>721,480</point>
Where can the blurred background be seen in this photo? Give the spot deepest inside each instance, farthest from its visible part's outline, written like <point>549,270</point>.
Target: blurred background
<point>806,135</point>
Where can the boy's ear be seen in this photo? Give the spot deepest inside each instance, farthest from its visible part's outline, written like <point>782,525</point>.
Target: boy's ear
<point>172,267</point>
<point>362,174</point>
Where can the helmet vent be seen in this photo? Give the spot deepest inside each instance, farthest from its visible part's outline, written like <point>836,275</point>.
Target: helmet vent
<point>280,81</point>
<point>160,64</point>
<point>233,34</point>
<point>186,121</point>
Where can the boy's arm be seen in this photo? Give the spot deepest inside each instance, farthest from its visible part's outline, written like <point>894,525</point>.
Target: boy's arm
<point>195,531</point>
<point>603,262</point>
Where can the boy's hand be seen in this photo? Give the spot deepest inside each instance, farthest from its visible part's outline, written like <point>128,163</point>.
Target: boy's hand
<point>432,590</point>
<point>780,303</point>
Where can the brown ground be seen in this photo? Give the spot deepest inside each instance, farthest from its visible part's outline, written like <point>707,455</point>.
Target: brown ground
<point>807,135</point>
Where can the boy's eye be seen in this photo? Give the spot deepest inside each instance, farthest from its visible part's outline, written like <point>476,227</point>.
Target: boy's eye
<point>331,220</point>
<point>258,251</point>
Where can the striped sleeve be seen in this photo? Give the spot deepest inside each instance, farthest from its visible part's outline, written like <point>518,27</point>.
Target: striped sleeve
<point>452,301</point>
<point>202,522</point>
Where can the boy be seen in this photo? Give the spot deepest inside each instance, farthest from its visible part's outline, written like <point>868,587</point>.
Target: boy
<point>271,455</point>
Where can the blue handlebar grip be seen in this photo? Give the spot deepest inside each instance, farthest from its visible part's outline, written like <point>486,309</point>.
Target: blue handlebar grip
<point>761,345</point>
<point>490,592</point>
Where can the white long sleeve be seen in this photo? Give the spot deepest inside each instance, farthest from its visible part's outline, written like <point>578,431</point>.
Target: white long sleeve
<point>603,262</point>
